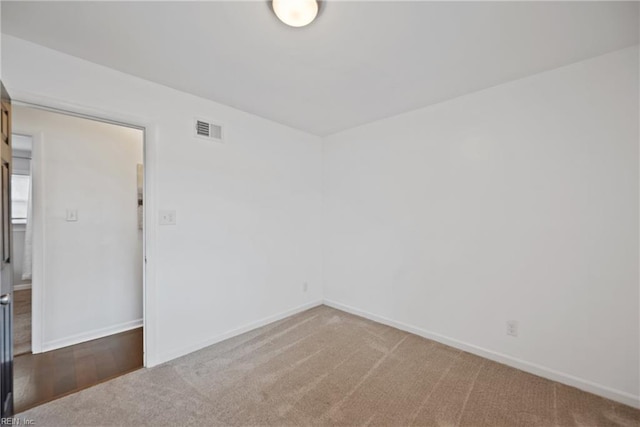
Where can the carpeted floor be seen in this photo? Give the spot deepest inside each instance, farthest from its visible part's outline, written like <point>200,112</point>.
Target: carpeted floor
<point>21,322</point>
<point>326,367</point>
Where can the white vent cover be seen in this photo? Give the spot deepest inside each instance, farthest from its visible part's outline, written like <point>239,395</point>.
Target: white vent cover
<point>207,130</point>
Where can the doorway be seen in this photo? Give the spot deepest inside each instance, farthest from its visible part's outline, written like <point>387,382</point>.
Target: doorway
<point>79,282</point>
<point>20,211</point>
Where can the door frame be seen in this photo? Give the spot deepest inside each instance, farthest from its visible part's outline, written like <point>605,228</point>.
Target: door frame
<point>149,197</point>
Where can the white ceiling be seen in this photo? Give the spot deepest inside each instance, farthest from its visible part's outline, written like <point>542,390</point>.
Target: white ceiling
<point>360,61</point>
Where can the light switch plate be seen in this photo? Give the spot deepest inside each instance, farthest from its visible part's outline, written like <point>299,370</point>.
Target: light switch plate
<point>72,215</point>
<point>167,218</point>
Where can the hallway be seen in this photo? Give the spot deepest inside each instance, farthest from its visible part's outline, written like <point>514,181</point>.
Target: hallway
<point>39,378</point>
<point>22,322</point>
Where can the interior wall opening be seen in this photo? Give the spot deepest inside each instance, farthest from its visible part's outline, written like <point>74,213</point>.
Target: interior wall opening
<point>78,221</point>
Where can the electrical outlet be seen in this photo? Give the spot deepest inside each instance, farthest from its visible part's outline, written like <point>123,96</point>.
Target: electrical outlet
<point>512,328</point>
<point>305,287</point>
<point>167,218</point>
<point>72,215</point>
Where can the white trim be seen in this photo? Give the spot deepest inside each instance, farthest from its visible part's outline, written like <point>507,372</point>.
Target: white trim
<point>150,136</point>
<point>235,332</point>
<point>91,335</point>
<point>38,275</point>
<point>542,371</point>
<point>68,112</point>
<point>22,287</point>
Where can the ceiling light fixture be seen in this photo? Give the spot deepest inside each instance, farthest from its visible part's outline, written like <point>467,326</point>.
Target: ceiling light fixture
<point>295,13</point>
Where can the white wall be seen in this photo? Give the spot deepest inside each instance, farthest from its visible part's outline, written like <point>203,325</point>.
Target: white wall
<point>519,202</point>
<point>17,258</point>
<point>248,212</point>
<point>91,280</point>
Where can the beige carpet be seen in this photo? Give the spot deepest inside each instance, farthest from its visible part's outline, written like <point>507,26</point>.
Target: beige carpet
<point>326,367</point>
<point>21,322</point>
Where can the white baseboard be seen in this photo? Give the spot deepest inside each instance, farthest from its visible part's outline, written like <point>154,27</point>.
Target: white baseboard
<point>22,287</point>
<point>90,335</point>
<point>582,384</point>
<point>173,354</point>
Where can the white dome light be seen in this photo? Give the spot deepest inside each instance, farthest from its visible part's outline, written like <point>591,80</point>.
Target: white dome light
<point>296,13</point>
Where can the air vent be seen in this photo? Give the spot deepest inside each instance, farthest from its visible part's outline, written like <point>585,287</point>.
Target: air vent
<point>208,130</point>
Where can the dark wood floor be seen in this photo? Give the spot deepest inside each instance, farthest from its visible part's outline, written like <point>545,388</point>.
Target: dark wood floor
<point>21,322</point>
<point>39,378</point>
